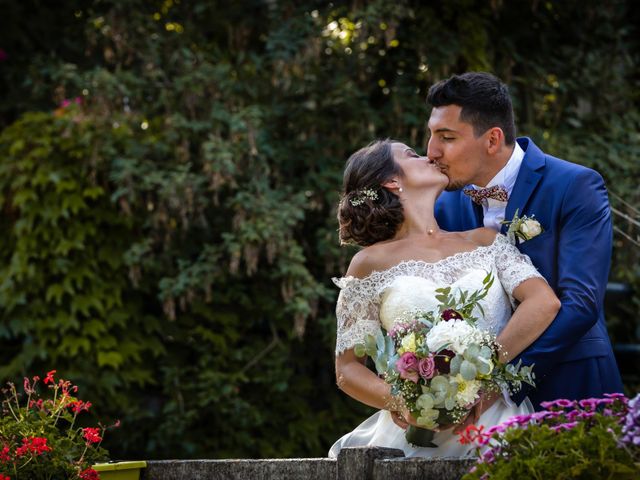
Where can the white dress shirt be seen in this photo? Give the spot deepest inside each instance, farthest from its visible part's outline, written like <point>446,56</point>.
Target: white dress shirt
<point>492,209</point>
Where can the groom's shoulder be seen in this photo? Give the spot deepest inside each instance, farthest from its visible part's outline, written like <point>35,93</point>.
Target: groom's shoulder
<point>560,168</point>
<point>559,165</point>
<point>565,174</point>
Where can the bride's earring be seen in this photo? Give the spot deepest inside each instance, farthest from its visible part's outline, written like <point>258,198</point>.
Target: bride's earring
<point>400,189</point>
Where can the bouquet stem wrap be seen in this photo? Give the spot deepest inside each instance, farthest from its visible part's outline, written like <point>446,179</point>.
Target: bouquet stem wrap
<point>420,437</point>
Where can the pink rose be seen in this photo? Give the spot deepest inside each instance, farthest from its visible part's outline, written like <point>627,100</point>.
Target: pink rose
<point>407,365</point>
<point>427,367</point>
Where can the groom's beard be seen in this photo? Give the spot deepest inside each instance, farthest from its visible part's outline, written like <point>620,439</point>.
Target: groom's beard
<point>455,185</point>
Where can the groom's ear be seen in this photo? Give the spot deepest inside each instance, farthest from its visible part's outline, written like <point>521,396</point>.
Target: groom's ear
<point>495,140</point>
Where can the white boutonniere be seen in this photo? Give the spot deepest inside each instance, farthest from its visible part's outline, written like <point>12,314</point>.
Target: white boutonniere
<point>522,228</point>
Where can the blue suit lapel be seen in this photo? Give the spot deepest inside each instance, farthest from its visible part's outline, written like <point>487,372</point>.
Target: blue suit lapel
<point>528,178</point>
<point>471,214</point>
<point>476,213</point>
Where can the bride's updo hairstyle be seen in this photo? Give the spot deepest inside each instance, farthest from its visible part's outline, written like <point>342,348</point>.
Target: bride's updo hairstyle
<point>369,213</point>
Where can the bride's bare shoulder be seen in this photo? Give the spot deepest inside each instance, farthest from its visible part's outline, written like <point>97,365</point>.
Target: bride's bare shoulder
<point>481,236</point>
<point>367,261</point>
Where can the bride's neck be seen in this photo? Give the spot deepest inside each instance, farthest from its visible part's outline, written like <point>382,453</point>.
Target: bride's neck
<point>419,217</point>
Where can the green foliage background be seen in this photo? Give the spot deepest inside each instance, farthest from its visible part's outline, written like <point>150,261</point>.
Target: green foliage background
<point>168,243</point>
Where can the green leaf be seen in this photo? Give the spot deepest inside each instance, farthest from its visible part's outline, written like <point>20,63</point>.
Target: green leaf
<point>109,359</point>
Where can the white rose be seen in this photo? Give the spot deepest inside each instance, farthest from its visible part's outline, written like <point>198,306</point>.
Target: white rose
<point>455,334</point>
<point>530,228</point>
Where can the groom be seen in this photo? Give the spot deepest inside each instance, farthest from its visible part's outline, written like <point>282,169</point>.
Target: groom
<point>493,175</point>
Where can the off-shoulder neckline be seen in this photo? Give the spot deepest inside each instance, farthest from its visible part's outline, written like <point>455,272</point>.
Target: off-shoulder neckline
<point>448,258</point>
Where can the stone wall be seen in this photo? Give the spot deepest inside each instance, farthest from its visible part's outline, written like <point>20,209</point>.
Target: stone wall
<point>352,464</point>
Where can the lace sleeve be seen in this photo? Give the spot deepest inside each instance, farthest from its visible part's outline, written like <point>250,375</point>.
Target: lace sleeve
<point>357,312</point>
<point>513,267</point>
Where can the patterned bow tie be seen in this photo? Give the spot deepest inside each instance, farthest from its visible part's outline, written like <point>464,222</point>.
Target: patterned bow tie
<point>497,192</point>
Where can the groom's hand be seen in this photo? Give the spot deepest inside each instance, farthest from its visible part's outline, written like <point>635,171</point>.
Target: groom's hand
<point>485,401</point>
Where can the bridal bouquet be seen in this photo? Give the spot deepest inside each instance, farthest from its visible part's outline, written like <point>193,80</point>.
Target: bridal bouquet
<point>439,362</point>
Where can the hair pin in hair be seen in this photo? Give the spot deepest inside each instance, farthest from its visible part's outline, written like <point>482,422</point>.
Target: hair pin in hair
<point>362,196</point>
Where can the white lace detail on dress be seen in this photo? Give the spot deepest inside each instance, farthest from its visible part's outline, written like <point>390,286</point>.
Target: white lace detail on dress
<point>513,267</point>
<point>357,314</point>
<point>358,306</point>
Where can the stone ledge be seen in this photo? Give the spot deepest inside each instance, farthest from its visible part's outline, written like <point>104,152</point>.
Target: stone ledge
<point>352,464</point>
<point>450,468</point>
<point>268,469</point>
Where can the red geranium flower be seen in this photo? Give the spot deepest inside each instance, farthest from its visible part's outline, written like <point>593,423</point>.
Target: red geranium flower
<point>471,434</point>
<point>78,406</point>
<point>91,435</point>
<point>87,474</point>
<point>36,445</point>
<point>49,377</point>
<point>39,445</point>
<point>4,455</point>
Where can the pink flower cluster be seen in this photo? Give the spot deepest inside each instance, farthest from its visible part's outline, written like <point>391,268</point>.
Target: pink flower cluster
<point>401,329</point>
<point>412,368</point>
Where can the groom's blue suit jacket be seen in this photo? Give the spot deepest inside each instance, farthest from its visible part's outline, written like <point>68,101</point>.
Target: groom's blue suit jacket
<point>573,357</point>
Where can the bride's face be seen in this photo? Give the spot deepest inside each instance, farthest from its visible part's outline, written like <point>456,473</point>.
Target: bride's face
<point>418,172</point>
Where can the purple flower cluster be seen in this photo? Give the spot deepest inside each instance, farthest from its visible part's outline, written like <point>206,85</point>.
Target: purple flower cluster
<point>631,425</point>
<point>563,414</point>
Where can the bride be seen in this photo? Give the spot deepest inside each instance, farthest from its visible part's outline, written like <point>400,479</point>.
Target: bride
<point>388,208</point>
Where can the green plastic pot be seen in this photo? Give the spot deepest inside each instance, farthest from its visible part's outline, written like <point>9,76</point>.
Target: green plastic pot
<point>120,470</point>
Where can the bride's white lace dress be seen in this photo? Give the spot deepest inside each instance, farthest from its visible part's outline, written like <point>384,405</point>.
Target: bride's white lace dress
<point>382,298</point>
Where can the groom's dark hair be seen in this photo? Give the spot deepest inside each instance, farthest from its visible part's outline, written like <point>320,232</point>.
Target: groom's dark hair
<point>484,99</point>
